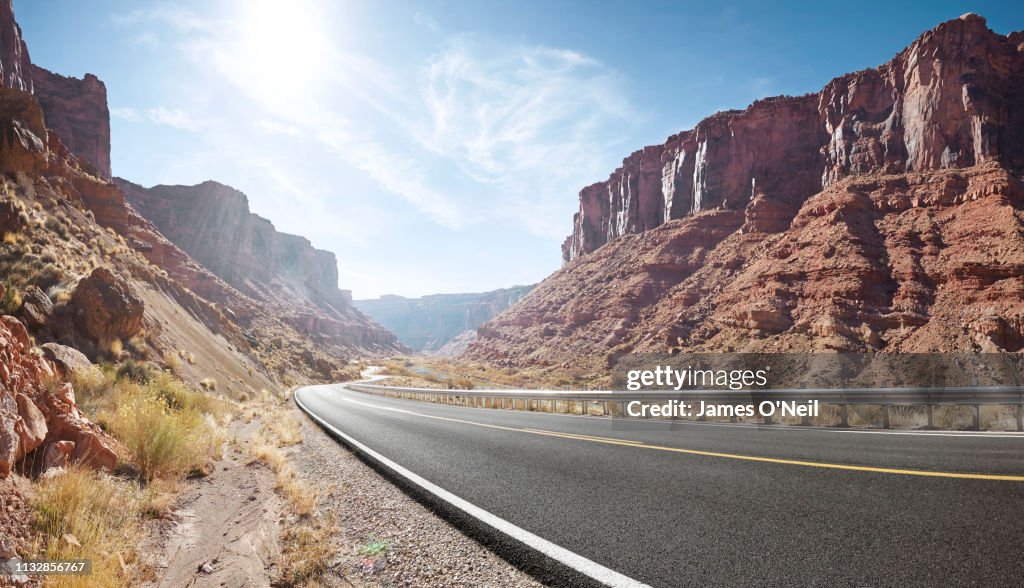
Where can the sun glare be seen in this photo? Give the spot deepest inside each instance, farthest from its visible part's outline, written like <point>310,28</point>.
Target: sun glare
<point>282,49</point>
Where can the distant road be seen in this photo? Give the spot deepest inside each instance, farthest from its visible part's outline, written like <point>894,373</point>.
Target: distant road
<point>668,503</point>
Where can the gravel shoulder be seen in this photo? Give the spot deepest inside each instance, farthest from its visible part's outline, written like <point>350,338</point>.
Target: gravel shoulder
<point>369,511</point>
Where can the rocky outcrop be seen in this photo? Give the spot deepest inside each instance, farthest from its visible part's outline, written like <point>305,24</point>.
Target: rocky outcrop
<point>213,224</point>
<point>952,99</point>
<point>76,109</point>
<point>885,213</point>
<point>428,323</point>
<point>39,416</point>
<point>23,136</point>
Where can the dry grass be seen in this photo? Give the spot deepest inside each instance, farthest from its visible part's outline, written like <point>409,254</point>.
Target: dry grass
<point>287,428</point>
<point>82,514</point>
<point>307,551</point>
<point>301,497</point>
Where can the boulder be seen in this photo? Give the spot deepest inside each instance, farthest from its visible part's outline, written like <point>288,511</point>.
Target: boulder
<point>32,424</point>
<point>68,360</point>
<point>92,451</point>
<point>17,332</point>
<point>36,308</point>
<point>105,307</point>
<point>10,440</point>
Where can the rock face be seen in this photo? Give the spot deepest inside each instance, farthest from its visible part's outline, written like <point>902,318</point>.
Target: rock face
<point>952,99</point>
<point>23,136</point>
<point>14,60</point>
<point>885,213</point>
<point>427,324</point>
<point>77,111</point>
<point>34,419</point>
<point>213,224</point>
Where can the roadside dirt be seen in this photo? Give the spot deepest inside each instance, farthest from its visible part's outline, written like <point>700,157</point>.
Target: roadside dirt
<point>224,530</point>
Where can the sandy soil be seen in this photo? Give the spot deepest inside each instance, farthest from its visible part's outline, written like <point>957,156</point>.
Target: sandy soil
<point>226,527</point>
<point>224,530</point>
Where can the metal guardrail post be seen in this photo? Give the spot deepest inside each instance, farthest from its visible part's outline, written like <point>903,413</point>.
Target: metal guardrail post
<point>844,415</point>
<point>1020,417</point>
<point>977,416</point>
<point>885,416</point>
<point>931,416</point>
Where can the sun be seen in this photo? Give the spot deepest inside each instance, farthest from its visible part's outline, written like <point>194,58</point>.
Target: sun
<point>280,50</point>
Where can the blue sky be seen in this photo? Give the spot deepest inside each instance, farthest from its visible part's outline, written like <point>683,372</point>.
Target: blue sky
<point>440,147</point>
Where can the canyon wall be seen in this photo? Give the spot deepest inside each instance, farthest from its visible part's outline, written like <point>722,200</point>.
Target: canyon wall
<point>952,99</point>
<point>14,60</point>
<point>76,109</point>
<point>884,213</point>
<point>429,323</point>
<point>213,224</point>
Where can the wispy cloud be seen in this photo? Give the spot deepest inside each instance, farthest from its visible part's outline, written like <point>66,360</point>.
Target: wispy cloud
<point>161,115</point>
<point>480,130</point>
<point>182,20</point>
<point>535,123</point>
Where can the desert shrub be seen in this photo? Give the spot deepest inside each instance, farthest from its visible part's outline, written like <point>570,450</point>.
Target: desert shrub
<point>162,441</point>
<point>209,384</point>
<point>11,301</point>
<point>461,384</point>
<point>53,224</point>
<point>306,554</point>
<point>172,362</point>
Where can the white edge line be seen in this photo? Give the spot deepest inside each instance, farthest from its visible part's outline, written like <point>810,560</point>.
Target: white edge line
<point>567,558</point>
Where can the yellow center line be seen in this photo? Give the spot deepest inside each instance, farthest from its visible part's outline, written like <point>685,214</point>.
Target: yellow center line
<point>583,437</point>
<point>641,445</point>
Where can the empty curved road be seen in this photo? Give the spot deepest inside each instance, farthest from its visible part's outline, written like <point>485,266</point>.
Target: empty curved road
<point>669,503</point>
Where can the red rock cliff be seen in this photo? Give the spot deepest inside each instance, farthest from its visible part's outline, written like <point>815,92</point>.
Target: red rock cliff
<point>213,223</point>
<point>14,60</point>
<point>884,213</point>
<point>952,99</point>
<point>77,111</point>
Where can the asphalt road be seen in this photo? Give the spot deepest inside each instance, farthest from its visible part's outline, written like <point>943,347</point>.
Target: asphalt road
<point>681,504</point>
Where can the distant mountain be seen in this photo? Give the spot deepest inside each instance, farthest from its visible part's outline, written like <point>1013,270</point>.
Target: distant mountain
<point>429,323</point>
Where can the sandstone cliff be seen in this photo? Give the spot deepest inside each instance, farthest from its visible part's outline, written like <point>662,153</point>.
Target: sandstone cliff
<point>14,59</point>
<point>77,111</point>
<point>885,212</point>
<point>213,224</point>
<point>428,323</point>
<point>952,99</point>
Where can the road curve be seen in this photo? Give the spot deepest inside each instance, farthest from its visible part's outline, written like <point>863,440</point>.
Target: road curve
<point>683,503</point>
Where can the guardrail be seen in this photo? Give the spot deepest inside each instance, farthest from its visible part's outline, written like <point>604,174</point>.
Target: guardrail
<point>613,403</point>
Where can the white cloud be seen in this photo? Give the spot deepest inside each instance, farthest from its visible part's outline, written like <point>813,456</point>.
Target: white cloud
<point>160,115</point>
<point>127,113</point>
<point>174,117</point>
<point>274,127</point>
<point>182,20</point>
<point>535,123</point>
